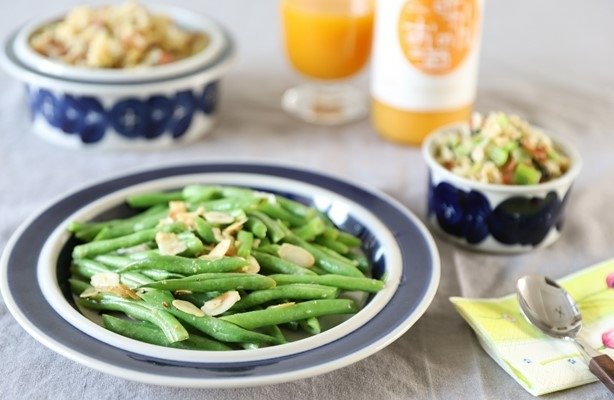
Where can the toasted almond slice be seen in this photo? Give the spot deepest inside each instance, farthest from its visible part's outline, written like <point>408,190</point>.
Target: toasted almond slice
<point>221,303</point>
<point>179,292</point>
<point>187,218</point>
<point>89,292</point>
<point>104,279</point>
<point>219,250</point>
<point>217,234</point>
<point>270,197</point>
<point>296,255</point>
<point>282,305</point>
<point>234,227</point>
<point>188,308</point>
<point>252,266</point>
<point>122,291</point>
<point>219,217</point>
<point>176,207</point>
<point>169,244</point>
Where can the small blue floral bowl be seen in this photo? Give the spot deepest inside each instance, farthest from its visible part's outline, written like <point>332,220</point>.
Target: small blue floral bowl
<point>150,107</point>
<point>493,217</point>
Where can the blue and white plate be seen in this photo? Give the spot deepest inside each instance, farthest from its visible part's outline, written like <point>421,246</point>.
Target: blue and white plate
<point>35,263</point>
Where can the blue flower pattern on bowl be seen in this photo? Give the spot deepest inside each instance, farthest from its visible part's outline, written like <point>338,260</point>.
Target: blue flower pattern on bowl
<point>460,213</point>
<point>130,117</point>
<point>516,220</point>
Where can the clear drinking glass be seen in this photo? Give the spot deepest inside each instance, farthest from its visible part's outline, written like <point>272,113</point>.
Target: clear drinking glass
<point>327,41</point>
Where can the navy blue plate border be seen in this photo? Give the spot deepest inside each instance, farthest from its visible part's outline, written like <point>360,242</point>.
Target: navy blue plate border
<point>420,273</point>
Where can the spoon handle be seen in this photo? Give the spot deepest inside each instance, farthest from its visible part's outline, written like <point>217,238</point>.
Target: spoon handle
<point>603,368</point>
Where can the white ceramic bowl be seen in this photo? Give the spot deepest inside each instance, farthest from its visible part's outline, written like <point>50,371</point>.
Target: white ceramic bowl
<point>149,107</point>
<point>494,217</point>
<point>34,270</point>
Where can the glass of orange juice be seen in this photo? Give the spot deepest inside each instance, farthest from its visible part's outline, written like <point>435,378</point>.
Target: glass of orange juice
<point>327,41</point>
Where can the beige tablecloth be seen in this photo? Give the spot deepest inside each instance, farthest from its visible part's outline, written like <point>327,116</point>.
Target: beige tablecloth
<point>550,61</point>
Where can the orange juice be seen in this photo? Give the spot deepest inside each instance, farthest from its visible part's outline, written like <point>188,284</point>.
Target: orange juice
<point>328,39</point>
<point>425,64</point>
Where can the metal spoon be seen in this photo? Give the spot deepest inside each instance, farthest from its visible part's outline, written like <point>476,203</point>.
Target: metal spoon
<point>551,309</point>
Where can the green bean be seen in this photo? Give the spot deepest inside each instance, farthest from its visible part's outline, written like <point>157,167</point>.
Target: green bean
<point>228,204</point>
<point>143,200</point>
<point>291,292</point>
<point>296,208</point>
<point>160,274</point>
<point>186,266</point>
<point>198,299</point>
<point>292,312</point>
<point>126,228</point>
<point>334,254</point>
<point>339,281</point>
<point>272,249</point>
<point>204,230</point>
<point>276,264</point>
<point>246,240</point>
<point>172,329</point>
<point>214,327</point>
<point>78,286</point>
<point>85,231</point>
<point>148,333</point>
<point>361,261</point>
<point>276,212</point>
<point>330,233</point>
<point>317,270</point>
<point>200,193</point>
<point>329,264</point>
<point>311,229</point>
<point>333,245</point>
<point>92,249</point>
<point>349,239</point>
<point>274,229</point>
<point>88,268</point>
<point>274,331</point>
<point>194,246</point>
<point>310,325</point>
<point>113,261</point>
<point>246,282</point>
<point>134,279</point>
<point>257,227</point>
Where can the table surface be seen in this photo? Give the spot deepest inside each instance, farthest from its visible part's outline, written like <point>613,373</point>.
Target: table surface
<point>549,61</point>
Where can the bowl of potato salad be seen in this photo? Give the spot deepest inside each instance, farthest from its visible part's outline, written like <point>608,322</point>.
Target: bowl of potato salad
<point>498,184</point>
<point>120,76</point>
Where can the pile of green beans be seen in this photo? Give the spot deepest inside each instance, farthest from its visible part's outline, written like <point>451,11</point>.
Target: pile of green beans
<point>161,298</point>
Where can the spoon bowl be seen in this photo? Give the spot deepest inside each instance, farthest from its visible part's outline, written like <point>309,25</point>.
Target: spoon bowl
<point>551,309</point>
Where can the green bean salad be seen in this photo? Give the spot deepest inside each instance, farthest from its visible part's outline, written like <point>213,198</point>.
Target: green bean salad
<point>217,268</point>
<point>501,149</point>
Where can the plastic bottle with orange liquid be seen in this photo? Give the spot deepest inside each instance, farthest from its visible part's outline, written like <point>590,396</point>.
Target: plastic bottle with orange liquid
<point>424,65</point>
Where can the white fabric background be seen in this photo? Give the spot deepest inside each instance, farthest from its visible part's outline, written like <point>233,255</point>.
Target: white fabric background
<point>550,61</point>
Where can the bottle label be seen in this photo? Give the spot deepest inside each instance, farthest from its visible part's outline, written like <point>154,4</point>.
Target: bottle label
<point>425,54</point>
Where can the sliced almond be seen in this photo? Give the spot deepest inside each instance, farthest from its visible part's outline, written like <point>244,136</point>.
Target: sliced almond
<point>176,207</point>
<point>283,305</point>
<point>252,266</point>
<point>296,255</point>
<point>219,217</point>
<point>221,303</point>
<point>219,250</point>
<point>255,243</point>
<point>122,290</point>
<point>188,308</point>
<point>217,234</point>
<point>179,292</point>
<point>89,292</point>
<point>104,279</point>
<point>169,244</point>
<point>234,227</point>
